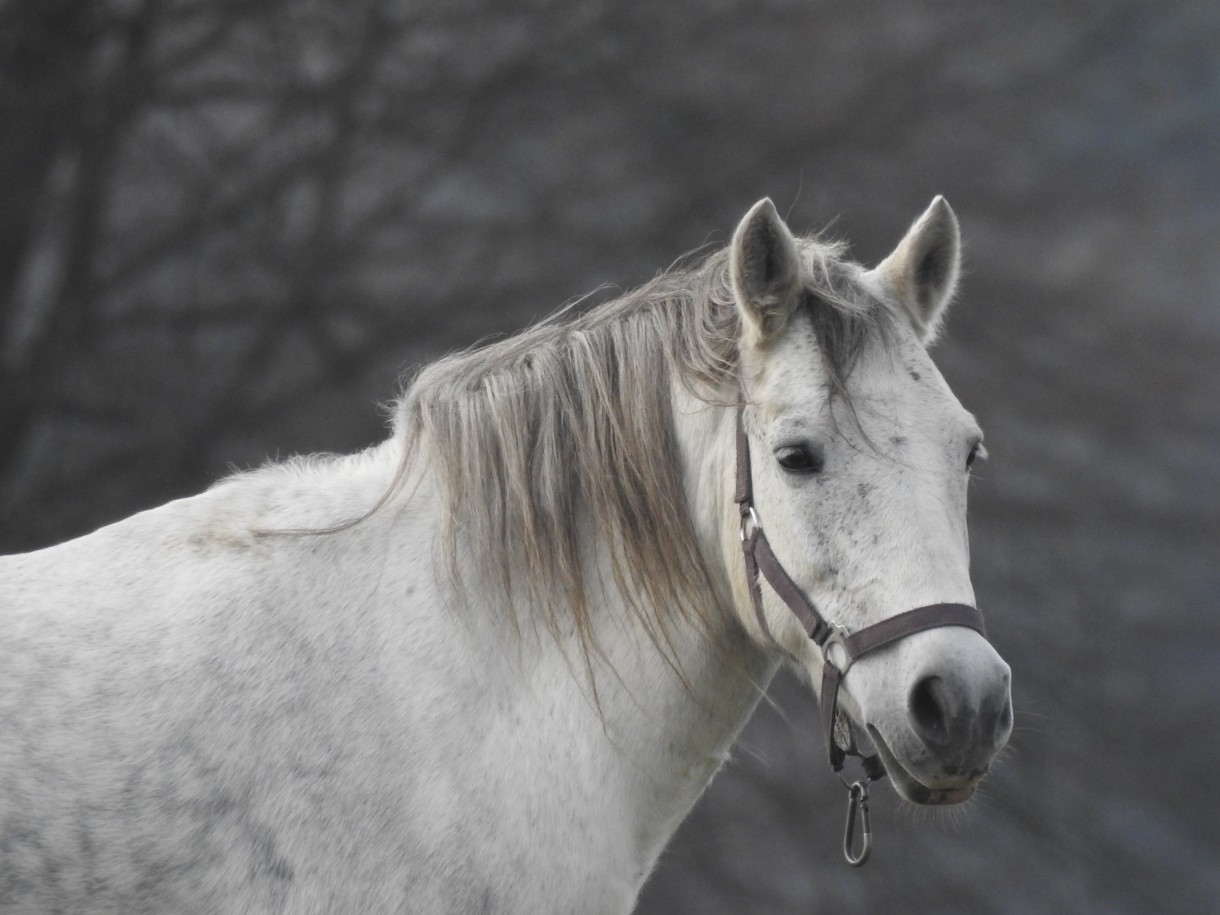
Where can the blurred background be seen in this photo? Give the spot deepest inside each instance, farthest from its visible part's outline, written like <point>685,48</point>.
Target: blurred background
<point>228,228</point>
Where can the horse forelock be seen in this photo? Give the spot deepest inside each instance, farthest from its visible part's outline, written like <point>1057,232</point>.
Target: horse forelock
<point>561,440</point>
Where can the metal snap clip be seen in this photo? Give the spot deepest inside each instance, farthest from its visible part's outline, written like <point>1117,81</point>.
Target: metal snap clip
<point>857,807</point>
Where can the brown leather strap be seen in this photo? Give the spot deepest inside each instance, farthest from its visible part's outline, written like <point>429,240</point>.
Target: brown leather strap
<point>814,625</point>
<point>748,545</point>
<point>759,556</point>
<point>831,678</point>
<point>903,624</point>
<point>744,495</point>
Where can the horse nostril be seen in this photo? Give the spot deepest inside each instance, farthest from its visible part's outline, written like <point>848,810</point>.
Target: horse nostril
<point>929,710</point>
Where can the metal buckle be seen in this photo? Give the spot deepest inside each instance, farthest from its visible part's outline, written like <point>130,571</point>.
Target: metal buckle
<point>749,517</point>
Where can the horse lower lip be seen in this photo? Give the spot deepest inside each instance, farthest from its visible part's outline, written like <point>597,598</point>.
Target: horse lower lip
<point>912,788</point>
<point>945,797</point>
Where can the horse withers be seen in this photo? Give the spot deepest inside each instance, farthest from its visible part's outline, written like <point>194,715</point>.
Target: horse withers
<point>491,663</point>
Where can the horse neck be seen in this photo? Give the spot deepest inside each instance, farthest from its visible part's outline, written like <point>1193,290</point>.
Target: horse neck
<point>647,723</point>
<point>678,711</point>
<point>706,433</point>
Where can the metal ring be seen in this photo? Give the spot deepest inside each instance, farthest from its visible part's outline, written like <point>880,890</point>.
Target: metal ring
<point>838,636</point>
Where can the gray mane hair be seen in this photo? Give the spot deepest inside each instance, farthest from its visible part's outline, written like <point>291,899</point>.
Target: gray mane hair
<point>568,428</point>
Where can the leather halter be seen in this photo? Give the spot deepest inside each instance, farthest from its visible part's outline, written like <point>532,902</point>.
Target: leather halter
<point>827,634</point>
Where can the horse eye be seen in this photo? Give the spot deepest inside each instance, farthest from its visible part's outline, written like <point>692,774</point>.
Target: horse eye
<point>802,458</point>
<point>977,452</point>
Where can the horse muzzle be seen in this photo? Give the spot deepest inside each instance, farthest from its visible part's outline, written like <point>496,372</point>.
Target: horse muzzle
<point>956,717</point>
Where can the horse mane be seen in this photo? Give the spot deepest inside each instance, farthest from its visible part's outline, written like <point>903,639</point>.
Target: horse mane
<point>567,429</point>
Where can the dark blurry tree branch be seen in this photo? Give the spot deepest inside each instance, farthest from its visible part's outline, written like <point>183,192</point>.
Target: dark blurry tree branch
<point>234,171</point>
<point>74,104</point>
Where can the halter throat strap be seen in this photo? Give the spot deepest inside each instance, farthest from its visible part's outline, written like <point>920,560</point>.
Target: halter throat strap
<point>839,648</point>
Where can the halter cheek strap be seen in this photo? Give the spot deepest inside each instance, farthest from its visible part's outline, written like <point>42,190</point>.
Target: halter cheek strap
<point>840,741</point>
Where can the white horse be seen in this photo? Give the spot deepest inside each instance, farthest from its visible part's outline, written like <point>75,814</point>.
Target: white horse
<point>490,664</point>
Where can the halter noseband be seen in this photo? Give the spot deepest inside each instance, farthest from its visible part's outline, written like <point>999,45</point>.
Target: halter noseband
<point>828,634</point>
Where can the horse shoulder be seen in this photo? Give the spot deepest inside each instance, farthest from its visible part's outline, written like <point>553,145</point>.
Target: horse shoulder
<point>188,687</point>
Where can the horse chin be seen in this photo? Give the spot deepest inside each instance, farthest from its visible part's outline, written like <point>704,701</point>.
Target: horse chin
<point>910,788</point>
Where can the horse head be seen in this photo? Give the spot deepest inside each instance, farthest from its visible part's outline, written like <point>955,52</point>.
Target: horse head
<point>861,459</point>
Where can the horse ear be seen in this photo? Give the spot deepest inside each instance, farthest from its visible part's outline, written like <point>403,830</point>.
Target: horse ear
<point>922,271</point>
<point>765,269</point>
